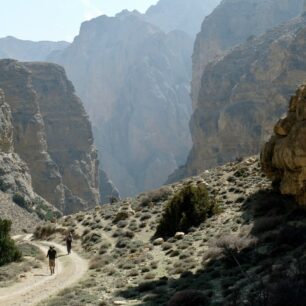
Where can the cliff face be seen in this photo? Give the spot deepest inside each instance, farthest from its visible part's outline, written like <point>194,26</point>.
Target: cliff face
<point>232,23</point>
<point>52,134</point>
<point>26,50</point>
<point>283,156</point>
<point>182,15</point>
<point>134,82</point>
<point>15,177</point>
<point>243,93</point>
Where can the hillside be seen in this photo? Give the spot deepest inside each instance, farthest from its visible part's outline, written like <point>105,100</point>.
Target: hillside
<point>245,250</point>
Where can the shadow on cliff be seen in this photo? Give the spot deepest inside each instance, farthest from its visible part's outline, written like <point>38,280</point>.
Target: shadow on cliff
<point>278,240</point>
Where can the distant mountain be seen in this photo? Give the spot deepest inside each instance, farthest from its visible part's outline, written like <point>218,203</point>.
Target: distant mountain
<point>184,15</point>
<point>134,82</point>
<point>26,50</point>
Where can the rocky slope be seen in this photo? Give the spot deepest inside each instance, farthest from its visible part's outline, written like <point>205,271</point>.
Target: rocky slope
<point>134,82</point>
<point>243,93</point>
<point>232,23</point>
<point>250,250</point>
<point>26,50</point>
<point>283,156</point>
<point>52,134</point>
<point>181,15</point>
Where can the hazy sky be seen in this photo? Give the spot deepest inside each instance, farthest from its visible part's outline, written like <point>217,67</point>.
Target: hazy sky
<point>57,19</point>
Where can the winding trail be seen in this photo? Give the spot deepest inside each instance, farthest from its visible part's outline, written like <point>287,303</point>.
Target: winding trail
<point>34,289</point>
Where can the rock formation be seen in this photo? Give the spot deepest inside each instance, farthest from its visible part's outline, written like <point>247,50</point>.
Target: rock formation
<point>232,23</point>
<point>243,93</point>
<point>181,15</point>
<point>15,178</point>
<point>134,82</point>
<point>26,50</point>
<point>283,157</point>
<point>52,134</point>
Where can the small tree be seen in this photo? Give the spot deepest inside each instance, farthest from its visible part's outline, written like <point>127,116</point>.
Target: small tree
<point>8,250</point>
<point>189,207</point>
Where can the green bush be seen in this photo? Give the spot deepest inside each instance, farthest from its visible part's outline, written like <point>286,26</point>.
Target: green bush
<point>189,207</point>
<point>20,200</point>
<point>43,211</point>
<point>8,250</point>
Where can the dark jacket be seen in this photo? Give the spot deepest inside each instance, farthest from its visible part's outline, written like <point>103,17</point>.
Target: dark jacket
<point>51,254</point>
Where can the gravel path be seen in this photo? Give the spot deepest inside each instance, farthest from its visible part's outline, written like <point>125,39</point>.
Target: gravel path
<point>34,289</point>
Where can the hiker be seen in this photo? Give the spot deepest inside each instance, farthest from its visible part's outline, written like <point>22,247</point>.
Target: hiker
<point>52,255</point>
<point>69,242</point>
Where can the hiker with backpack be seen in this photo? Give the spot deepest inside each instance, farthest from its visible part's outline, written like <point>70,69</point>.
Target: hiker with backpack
<point>69,242</point>
<point>52,255</point>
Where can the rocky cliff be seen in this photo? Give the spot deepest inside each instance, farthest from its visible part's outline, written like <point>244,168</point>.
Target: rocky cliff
<point>283,156</point>
<point>181,15</point>
<point>134,82</point>
<point>15,180</point>
<point>243,93</point>
<point>232,23</point>
<point>26,50</point>
<point>52,134</point>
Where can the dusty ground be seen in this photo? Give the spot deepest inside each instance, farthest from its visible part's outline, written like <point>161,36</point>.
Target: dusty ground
<point>37,285</point>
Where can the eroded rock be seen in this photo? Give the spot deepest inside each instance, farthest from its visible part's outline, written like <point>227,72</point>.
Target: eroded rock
<point>283,157</point>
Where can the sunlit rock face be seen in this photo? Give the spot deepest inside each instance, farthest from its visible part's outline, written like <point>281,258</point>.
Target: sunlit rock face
<point>15,177</point>
<point>52,134</point>
<point>134,81</point>
<point>232,23</point>
<point>283,157</point>
<point>243,93</point>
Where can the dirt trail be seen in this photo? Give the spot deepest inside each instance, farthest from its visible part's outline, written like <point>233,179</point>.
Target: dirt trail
<point>36,288</point>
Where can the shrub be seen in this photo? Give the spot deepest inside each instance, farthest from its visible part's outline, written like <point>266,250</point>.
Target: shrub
<point>188,207</point>
<point>20,200</point>
<point>188,297</point>
<point>8,250</point>
<point>43,211</point>
<point>289,289</point>
<point>46,230</point>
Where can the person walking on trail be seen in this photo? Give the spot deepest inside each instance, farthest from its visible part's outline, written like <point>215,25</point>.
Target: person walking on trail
<point>52,255</point>
<point>69,242</point>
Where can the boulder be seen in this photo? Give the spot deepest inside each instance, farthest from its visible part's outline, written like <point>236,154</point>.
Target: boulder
<point>158,241</point>
<point>283,157</point>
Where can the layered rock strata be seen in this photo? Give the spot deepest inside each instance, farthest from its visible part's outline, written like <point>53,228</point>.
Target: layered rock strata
<point>283,157</point>
<point>52,134</point>
<point>232,23</point>
<point>243,93</point>
<point>15,178</point>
